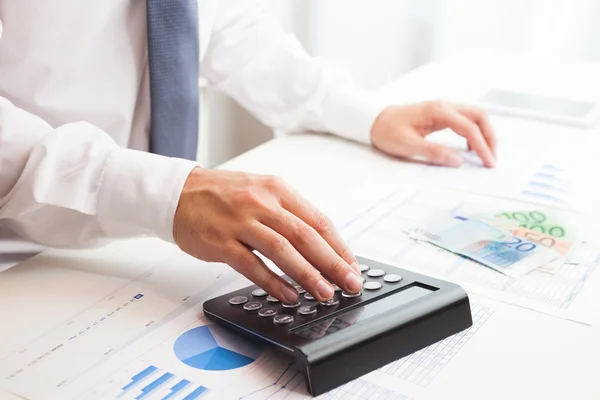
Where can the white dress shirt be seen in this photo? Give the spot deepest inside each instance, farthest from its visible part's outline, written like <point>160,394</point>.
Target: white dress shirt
<point>74,110</point>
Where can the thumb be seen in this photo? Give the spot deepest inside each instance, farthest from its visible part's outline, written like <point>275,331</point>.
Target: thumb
<point>438,154</point>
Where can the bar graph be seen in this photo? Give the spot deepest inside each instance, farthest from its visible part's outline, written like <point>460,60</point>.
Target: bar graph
<point>182,384</point>
<point>164,378</point>
<point>139,377</point>
<point>548,184</point>
<point>152,383</point>
<point>196,394</point>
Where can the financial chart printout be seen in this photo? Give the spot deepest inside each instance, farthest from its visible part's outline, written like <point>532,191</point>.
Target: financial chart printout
<point>192,358</point>
<point>141,345</point>
<point>123,307</point>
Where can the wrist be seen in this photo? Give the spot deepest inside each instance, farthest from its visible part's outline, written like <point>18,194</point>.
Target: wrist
<point>381,125</point>
<point>191,184</point>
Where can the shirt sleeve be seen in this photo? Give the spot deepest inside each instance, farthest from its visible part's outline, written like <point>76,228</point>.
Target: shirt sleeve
<point>265,69</point>
<point>73,186</point>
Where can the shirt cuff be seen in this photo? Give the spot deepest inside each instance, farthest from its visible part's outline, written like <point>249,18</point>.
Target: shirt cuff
<point>350,113</point>
<point>140,192</point>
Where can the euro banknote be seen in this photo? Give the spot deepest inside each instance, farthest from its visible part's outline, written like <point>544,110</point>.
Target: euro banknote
<point>490,246</point>
<point>563,247</point>
<point>544,222</point>
<point>539,221</point>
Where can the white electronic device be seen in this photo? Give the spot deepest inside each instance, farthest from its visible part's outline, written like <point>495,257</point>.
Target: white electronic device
<point>551,109</point>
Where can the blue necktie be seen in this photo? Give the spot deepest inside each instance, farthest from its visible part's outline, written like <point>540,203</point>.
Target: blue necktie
<point>173,55</point>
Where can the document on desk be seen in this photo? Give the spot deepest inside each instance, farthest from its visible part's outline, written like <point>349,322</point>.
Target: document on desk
<point>169,363</point>
<point>93,309</point>
<point>541,163</point>
<point>380,232</point>
<point>192,358</point>
<point>144,337</point>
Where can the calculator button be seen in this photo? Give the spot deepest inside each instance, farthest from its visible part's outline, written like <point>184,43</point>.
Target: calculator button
<point>259,293</point>
<point>351,295</point>
<point>376,273</point>
<point>331,302</point>
<point>364,268</point>
<point>308,296</point>
<point>307,310</point>
<point>238,300</point>
<point>267,312</point>
<point>291,305</point>
<point>253,306</point>
<point>283,319</point>
<point>373,286</point>
<point>272,299</point>
<point>300,289</point>
<point>392,278</point>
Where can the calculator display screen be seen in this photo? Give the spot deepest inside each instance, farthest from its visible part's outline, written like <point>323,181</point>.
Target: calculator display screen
<point>359,314</point>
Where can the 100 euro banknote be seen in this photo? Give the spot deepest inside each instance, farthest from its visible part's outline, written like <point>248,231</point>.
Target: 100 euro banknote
<point>486,244</point>
<point>546,224</point>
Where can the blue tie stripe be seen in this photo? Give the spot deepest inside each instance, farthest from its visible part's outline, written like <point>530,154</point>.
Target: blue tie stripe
<point>173,56</point>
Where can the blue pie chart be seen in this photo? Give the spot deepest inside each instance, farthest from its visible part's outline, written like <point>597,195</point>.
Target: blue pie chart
<point>214,348</point>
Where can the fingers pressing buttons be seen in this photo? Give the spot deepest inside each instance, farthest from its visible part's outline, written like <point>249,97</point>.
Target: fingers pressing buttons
<point>272,299</point>
<point>309,296</point>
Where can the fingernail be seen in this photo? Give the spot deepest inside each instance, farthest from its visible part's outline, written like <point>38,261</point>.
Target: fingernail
<point>356,266</point>
<point>290,295</point>
<point>492,161</point>
<point>324,289</point>
<point>455,160</point>
<point>353,283</point>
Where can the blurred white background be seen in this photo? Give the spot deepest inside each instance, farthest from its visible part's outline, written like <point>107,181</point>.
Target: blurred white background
<point>379,40</point>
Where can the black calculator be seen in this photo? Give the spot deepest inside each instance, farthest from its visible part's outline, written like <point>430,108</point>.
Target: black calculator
<point>396,313</point>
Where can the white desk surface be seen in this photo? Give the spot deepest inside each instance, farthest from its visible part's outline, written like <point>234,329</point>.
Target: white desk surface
<point>551,359</point>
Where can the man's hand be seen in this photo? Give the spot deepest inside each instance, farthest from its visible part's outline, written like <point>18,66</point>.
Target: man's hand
<point>401,131</point>
<point>223,216</point>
